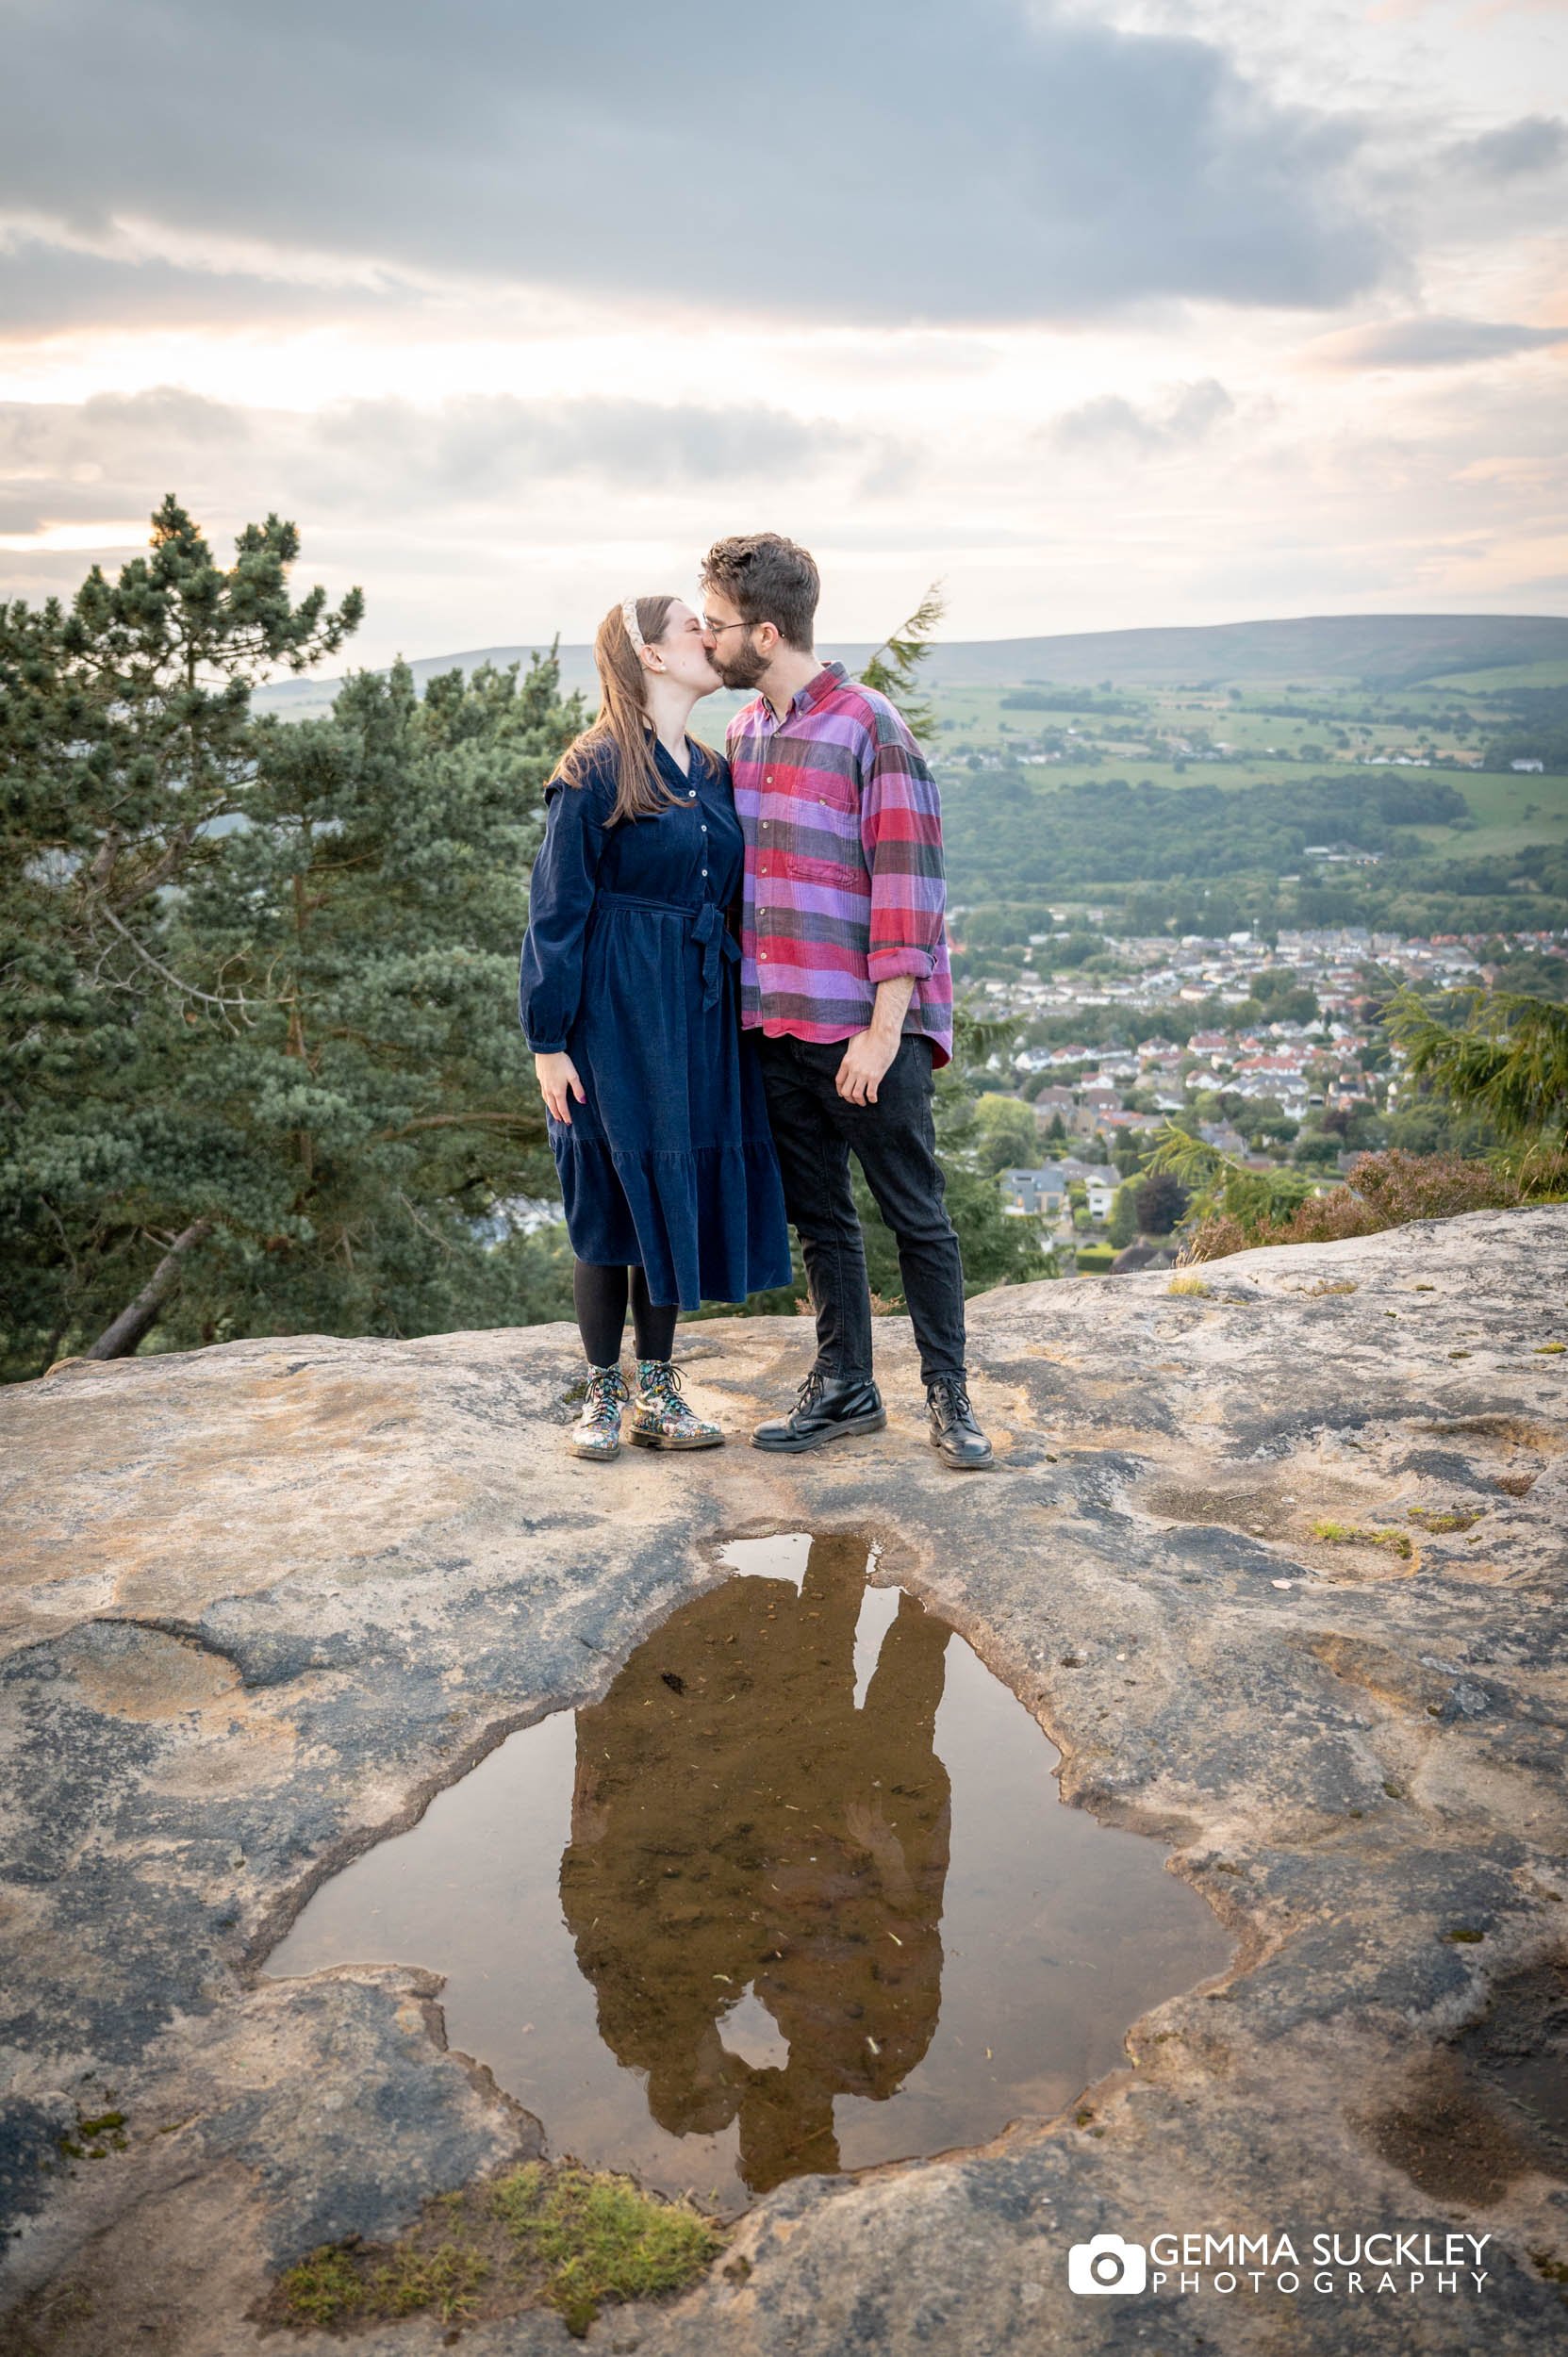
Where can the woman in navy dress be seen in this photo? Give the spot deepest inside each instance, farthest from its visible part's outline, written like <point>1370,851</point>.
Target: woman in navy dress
<point>630,1000</point>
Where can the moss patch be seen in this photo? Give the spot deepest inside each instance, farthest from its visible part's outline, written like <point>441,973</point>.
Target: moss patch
<point>572,2239</point>
<point>325,2289</point>
<point>95,2138</point>
<point>1431,1518</point>
<point>596,2237</point>
<point>1353,1535</point>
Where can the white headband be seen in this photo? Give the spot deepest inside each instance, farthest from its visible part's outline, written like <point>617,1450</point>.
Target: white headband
<point>628,616</point>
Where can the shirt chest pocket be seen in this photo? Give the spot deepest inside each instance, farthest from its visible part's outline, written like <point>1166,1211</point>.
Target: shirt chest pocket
<point>821,836</point>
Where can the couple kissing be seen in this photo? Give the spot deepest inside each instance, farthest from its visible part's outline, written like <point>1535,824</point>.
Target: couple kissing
<point>736,976</point>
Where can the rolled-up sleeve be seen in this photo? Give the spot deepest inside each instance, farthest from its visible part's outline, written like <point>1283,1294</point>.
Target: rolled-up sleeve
<point>901,827</point>
<point>560,899</point>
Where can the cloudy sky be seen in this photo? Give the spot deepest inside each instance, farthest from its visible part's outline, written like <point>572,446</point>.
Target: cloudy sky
<point>1106,312</point>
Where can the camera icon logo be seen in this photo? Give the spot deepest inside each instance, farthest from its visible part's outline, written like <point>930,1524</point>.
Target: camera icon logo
<point>1107,2264</point>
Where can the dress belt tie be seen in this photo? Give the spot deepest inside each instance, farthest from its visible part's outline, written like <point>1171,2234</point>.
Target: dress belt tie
<point>708,929</point>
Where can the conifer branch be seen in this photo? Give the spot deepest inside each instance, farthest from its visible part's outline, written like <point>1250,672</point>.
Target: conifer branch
<point>189,989</point>
<point>893,669</point>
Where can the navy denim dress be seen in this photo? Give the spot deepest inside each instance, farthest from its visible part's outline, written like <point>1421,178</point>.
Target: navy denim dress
<point>630,967</point>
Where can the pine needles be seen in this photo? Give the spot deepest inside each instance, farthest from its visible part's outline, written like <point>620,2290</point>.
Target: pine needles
<point>1508,1059</point>
<point>893,671</point>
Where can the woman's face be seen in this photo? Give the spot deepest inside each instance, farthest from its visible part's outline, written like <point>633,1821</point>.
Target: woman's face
<point>686,657</point>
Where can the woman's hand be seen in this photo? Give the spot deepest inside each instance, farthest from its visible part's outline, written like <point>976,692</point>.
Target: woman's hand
<point>559,1084</point>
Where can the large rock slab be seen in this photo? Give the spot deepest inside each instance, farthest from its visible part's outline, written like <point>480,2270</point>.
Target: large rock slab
<point>261,1602</point>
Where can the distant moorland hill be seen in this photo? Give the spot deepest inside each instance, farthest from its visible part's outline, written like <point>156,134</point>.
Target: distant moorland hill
<point>1369,649</point>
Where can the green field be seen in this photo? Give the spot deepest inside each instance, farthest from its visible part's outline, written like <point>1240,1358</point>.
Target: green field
<point>1508,810</point>
<point>1517,675</point>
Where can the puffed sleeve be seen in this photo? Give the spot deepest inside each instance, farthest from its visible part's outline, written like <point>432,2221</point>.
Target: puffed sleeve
<point>560,898</point>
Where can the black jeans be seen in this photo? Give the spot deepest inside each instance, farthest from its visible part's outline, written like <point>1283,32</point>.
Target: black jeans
<point>816,1131</point>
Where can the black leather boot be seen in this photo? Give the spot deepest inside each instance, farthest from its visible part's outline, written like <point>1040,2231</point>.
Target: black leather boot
<point>953,1430</point>
<point>825,1409</point>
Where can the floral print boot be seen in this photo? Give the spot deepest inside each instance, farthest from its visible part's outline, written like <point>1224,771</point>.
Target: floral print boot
<point>597,1431</point>
<point>661,1418</point>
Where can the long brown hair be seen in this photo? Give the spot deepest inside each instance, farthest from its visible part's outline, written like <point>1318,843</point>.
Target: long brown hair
<point>622,716</point>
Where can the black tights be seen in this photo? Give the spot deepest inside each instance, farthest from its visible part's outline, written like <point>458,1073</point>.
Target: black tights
<point>601,1296</point>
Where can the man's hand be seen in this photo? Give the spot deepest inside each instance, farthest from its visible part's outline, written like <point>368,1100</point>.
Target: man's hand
<point>866,1057</point>
<point>559,1084</point>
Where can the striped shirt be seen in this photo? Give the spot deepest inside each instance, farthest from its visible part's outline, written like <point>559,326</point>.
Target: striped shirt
<point>844,886</point>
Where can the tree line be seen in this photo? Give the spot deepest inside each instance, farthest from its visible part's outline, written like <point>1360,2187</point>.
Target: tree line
<point>1007,832</point>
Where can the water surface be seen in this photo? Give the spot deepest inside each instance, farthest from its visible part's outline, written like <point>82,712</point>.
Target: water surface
<point>799,1894</point>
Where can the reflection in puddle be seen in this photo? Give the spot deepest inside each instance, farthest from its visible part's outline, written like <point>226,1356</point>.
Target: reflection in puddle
<point>796,1895</point>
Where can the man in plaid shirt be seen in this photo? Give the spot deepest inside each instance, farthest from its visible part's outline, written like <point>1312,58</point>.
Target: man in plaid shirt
<point>844,973</point>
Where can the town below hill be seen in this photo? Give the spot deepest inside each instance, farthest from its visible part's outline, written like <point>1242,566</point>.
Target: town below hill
<point>1272,1052</point>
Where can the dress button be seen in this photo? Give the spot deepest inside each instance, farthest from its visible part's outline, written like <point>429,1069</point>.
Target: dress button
<point>704,871</point>
<point>704,827</point>
<point>762,957</point>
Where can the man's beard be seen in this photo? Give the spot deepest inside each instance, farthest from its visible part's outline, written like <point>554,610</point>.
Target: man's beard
<point>744,669</point>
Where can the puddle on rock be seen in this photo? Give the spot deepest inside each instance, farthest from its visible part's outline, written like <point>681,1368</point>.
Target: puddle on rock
<point>799,1894</point>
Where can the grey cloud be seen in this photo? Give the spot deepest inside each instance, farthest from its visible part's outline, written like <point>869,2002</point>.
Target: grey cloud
<point>1186,417</point>
<point>72,459</point>
<point>1436,343</point>
<point>474,446</point>
<point>48,289</point>
<point>909,161</point>
<point>115,456</point>
<point>1534,143</point>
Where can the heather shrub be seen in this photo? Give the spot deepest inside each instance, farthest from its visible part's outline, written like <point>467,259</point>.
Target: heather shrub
<point>1386,1191</point>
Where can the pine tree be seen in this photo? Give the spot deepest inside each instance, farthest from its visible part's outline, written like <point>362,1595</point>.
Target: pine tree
<point>262,1069</point>
<point>356,1132</point>
<point>125,749</point>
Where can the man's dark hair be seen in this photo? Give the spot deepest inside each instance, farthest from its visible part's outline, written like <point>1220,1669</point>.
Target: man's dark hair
<point>766,579</point>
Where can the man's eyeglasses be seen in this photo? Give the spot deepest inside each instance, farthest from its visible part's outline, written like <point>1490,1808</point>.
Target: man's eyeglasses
<point>715,629</point>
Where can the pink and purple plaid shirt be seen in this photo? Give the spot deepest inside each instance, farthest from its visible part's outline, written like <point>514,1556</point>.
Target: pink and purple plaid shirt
<point>844,883</point>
